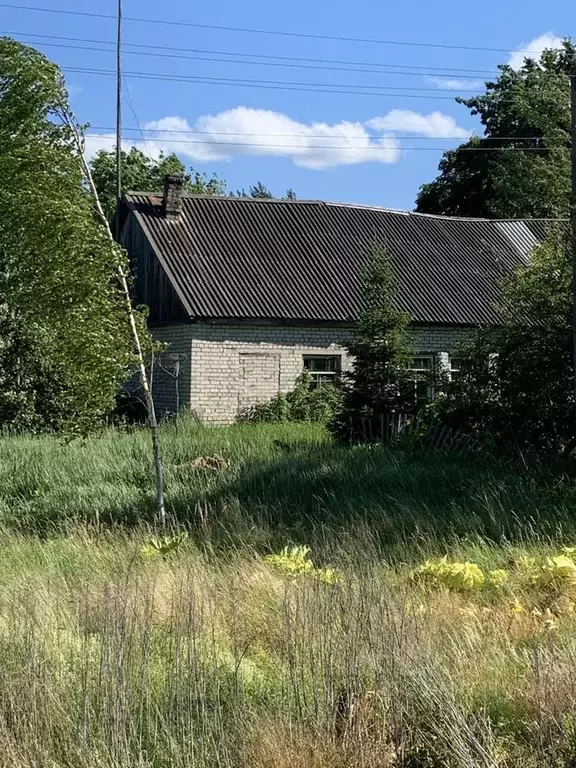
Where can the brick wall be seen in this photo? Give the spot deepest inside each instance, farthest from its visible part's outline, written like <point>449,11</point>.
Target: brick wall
<point>171,371</point>
<point>225,368</point>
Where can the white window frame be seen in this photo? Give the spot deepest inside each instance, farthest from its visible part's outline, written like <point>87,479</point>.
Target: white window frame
<point>451,368</point>
<point>323,377</point>
<point>426,370</point>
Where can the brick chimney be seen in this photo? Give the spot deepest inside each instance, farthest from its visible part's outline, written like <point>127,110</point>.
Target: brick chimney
<point>172,200</point>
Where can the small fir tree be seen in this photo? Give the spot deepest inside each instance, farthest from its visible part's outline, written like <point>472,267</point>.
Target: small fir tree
<point>379,382</point>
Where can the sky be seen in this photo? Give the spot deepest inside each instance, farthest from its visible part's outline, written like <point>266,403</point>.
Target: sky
<point>352,121</point>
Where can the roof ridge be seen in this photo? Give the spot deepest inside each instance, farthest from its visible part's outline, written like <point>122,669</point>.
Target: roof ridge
<point>339,204</point>
<point>192,196</point>
<point>441,216</point>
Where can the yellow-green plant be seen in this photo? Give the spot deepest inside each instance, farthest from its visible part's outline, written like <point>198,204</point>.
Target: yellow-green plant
<point>292,561</point>
<point>163,546</point>
<point>295,561</point>
<point>558,571</point>
<point>464,577</point>
<point>497,578</point>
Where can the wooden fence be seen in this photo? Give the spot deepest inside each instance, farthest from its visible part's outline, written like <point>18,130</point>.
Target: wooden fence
<point>393,428</point>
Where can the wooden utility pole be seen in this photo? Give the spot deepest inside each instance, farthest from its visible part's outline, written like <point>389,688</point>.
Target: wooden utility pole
<point>118,120</point>
<point>573,211</point>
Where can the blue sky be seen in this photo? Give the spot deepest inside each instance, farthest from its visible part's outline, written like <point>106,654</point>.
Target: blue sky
<point>357,147</point>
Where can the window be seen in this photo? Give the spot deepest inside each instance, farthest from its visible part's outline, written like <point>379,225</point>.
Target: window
<point>455,364</point>
<point>421,367</point>
<point>324,369</point>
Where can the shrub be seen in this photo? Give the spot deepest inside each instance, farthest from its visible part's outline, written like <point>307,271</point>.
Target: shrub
<point>515,386</point>
<point>306,402</point>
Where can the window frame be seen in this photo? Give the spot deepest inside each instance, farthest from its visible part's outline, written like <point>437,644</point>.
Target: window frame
<point>320,378</point>
<point>451,368</point>
<point>426,371</point>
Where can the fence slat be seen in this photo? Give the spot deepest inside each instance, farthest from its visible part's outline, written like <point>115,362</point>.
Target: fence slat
<point>389,427</point>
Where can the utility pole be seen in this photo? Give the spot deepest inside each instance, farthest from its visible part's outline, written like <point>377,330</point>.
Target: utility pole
<point>572,224</point>
<point>118,120</point>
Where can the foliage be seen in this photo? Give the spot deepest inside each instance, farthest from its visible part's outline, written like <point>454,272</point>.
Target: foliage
<point>379,382</point>
<point>558,571</point>
<point>141,173</point>
<point>458,576</point>
<point>292,560</point>
<point>524,109</point>
<point>295,561</point>
<point>145,174</point>
<point>548,577</point>
<point>515,386</point>
<point>306,402</point>
<point>30,392</point>
<point>55,260</point>
<point>164,546</point>
<point>260,191</point>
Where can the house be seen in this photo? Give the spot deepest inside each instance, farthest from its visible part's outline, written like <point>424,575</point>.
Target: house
<point>249,293</point>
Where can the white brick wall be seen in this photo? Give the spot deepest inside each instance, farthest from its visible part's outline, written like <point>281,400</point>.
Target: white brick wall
<point>227,367</point>
<point>179,351</point>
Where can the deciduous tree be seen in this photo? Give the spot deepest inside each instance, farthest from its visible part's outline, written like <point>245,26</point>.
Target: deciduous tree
<point>515,386</point>
<point>520,167</point>
<point>145,174</point>
<point>55,258</point>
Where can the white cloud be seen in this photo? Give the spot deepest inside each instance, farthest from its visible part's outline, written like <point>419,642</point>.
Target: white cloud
<point>436,125</point>
<point>534,49</point>
<point>259,132</point>
<point>456,83</point>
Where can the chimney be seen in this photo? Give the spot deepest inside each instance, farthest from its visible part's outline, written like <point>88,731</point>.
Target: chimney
<point>172,200</point>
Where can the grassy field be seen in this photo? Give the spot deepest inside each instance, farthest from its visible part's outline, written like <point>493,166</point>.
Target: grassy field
<point>369,651</point>
<point>274,483</point>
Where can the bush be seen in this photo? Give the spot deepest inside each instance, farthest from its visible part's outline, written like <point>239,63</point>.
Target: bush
<point>306,402</point>
<point>515,388</point>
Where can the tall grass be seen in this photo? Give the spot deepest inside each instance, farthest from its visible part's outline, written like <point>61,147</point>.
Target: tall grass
<point>109,658</point>
<point>210,657</point>
<point>278,483</point>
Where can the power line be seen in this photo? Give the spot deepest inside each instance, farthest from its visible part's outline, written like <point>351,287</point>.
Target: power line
<point>322,85</point>
<point>248,30</point>
<point>335,88</point>
<point>312,136</point>
<point>341,146</point>
<point>306,62</point>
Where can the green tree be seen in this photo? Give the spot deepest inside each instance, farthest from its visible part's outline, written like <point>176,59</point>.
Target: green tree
<point>260,191</point>
<point>69,346</point>
<point>30,391</point>
<point>520,167</point>
<point>515,385</point>
<point>145,174</point>
<point>379,382</point>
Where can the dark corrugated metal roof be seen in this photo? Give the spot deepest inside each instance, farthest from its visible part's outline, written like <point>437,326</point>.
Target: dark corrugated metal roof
<point>301,260</point>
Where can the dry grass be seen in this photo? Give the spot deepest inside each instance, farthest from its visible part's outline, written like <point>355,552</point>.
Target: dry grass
<point>213,658</point>
<point>110,658</point>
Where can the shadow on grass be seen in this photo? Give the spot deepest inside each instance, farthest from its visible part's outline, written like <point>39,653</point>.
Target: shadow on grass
<point>313,493</point>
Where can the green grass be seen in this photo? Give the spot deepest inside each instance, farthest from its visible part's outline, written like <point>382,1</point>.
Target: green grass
<point>280,483</point>
<point>213,658</point>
